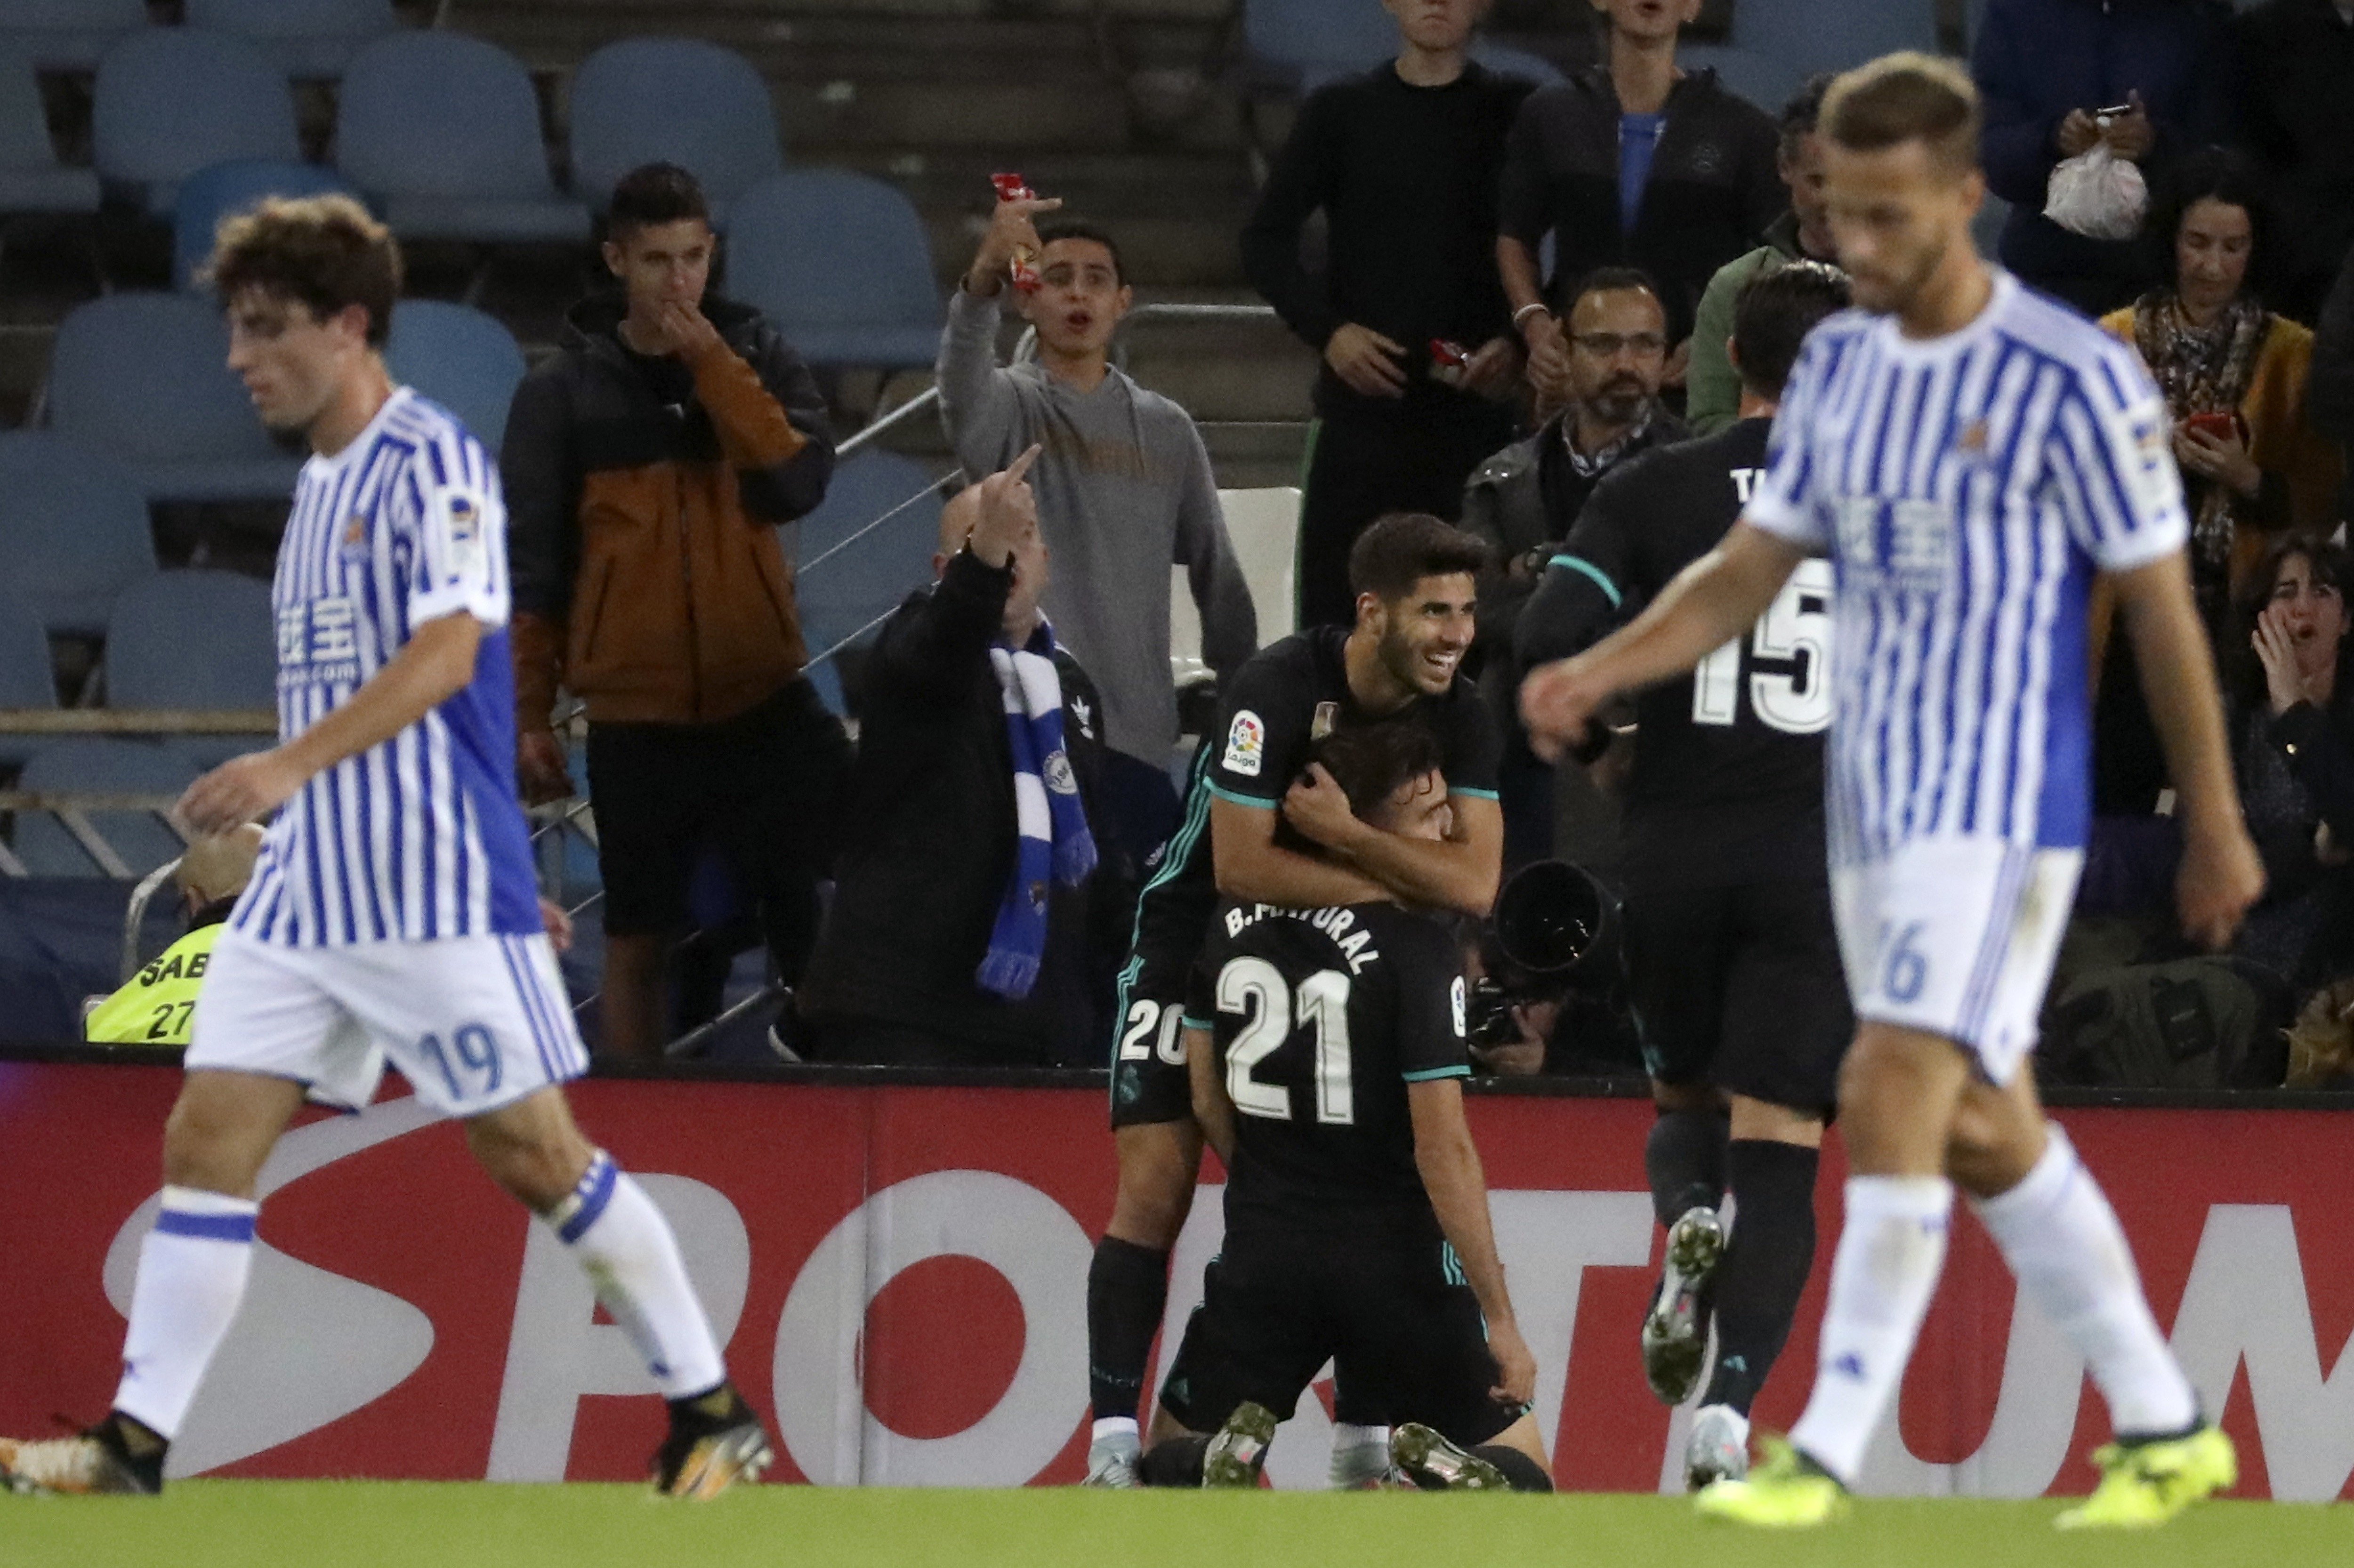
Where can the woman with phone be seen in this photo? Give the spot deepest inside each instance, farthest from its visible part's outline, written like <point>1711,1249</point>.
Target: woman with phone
<point>2234,377</point>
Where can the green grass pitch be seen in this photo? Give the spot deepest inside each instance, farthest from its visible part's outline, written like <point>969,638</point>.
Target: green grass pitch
<point>332,1524</point>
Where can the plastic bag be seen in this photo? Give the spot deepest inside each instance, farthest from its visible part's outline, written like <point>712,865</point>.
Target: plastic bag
<point>2097,195</point>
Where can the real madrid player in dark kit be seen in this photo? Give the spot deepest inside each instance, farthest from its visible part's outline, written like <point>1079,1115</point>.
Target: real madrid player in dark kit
<point>1253,830</point>
<point>1326,1053</point>
<point>1731,949</point>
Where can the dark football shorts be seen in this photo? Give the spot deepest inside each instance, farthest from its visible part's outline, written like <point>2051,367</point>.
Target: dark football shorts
<point>1148,1082</point>
<point>1395,1317</point>
<point>1741,987</point>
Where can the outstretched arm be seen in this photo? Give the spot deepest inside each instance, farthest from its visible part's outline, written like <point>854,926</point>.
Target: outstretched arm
<point>1711,601</point>
<point>1451,1175</point>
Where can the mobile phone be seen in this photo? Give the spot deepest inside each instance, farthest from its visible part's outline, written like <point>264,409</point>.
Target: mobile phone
<point>2221,424</point>
<point>2114,112</point>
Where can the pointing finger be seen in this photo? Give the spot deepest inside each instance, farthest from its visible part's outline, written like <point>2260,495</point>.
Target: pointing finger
<point>1021,465</point>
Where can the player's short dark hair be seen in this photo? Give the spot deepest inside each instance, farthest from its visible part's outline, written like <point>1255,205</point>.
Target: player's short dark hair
<point>2209,174</point>
<point>1907,97</point>
<point>1399,550</point>
<point>1614,280</point>
<point>323,252</point>
<point>1772,315</point>
<point>1079,228</point>
<point>1371,762</point>
<point>651,196</point>
<point>1804,113</point>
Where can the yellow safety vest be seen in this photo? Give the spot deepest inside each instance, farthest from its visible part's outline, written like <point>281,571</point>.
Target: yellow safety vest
<point>156,1006</point>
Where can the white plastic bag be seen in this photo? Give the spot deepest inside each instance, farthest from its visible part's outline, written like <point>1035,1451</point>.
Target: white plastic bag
<point>2097,195</point>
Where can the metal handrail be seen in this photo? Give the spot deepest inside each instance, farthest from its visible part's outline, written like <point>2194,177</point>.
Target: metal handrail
<point>138,721</point>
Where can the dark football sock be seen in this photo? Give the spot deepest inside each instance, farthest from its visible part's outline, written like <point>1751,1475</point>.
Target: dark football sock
<point>1684,1159</point>
<point>1174,1463</point>
<point>1524,1473</point>
<point>1128,1286</point>
<point>1757,1287</point>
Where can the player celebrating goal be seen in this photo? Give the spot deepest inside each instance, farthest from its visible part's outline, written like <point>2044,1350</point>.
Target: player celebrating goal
<point>393,915</point>
<point>1970,455</point>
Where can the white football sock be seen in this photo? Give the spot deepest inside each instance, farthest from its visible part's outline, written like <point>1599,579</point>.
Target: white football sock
<point>1360,1455</point>
<point>1891,1251</point>
<point>192,1272</point>
<point>2063,1243</point>
<point>1114,1431</point>
<point>631,1256</point>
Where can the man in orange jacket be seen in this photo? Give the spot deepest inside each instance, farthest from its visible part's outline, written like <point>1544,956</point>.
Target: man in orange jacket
<point>647,465</point>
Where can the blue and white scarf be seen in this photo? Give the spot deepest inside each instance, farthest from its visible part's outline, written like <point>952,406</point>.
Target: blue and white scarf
<point>1053,842</point>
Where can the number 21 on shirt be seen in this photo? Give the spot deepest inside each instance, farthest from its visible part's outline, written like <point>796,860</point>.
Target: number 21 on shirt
<point>1795,632</point>
<point>1255,989</point>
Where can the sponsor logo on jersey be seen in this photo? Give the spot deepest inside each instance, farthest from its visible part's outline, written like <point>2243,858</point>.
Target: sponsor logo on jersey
<point>1327,715</point>
<point>1246,745</point>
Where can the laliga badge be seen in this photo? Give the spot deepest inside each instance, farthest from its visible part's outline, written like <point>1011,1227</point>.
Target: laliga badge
<point>1246,745</point>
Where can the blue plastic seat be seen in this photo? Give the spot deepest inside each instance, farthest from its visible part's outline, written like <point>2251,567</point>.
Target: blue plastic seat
<point>1810,35</point>
<point>101,763</point>
<point>157,621</point>
<point>675,100</point>
<point>1764,80</point>
<point>171,101</point>
<point>840,262</point>
<point>306,37</point>
<point>443,132</point>
<point>73,530</point>
<point>31,178</point>
<point>842,594</point>
<point>213,194</point>
<point>67,34</point>
<point>146,379</point>
<point>466,361</point>
<point>27,680</point>
<point>1297,39</point>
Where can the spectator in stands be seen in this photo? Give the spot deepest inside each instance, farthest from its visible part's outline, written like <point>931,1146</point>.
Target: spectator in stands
<point>2295,759</point>
<point>1636,164</point>
<point>967,929</point>
<point>1404,162</point>
<point>647,465</point>
<point>156,1005</point>
<point>1523,502</point>
<point>2296,101</point>
<point>1712,385</point>
<point>2329,391</point>
<point>1124,491</point>
<point>2234,373</point>
<point>2046,68</point>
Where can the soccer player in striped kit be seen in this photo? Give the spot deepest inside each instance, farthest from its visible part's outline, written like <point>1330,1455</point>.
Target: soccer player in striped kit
<point>1970,456</point>
<point>393,915</point>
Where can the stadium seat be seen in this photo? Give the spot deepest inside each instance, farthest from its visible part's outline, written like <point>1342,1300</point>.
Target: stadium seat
<point>101,763</point>
<point>73,530</point>
<point>67,34</point>
<point>443,132</point>
<point>1296,41</point>
<point>677,101</point>
<point>1810,36</point>
<point>161,617</point>
<point>145,378</point>
<point>1763,80</point>
<point>171,101</point>
<point>212,194</point>
<point>466,361</point>
<point>27,680</point>
<point>31,178</point>
<point>840,262</point>
<point>841,594</point>
<point>306,37</point>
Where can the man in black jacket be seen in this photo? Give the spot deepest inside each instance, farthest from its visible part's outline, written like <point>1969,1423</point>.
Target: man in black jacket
<point>906,970</point>
<point>1635,163</point>
<point>1404,162</point>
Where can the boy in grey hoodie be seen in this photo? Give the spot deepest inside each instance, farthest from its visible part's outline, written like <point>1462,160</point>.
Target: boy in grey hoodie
<point>1123,486</point>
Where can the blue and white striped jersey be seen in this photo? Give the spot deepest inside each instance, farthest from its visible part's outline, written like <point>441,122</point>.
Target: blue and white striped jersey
<point>1967,489</point>
<point>420,837</point>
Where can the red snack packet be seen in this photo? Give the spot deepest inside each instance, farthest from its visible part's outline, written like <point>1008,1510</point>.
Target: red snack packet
<point>1449,362</point>
<point>1023,271</point>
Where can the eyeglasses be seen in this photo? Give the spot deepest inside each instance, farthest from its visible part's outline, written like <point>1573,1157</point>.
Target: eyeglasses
<point>1609,344</point>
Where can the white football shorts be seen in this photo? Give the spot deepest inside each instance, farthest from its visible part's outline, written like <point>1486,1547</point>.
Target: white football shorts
<point>1956,936</point>
<point>472,1022</point>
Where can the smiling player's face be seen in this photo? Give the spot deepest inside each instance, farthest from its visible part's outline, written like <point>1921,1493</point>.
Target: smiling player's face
<point>1896,214</point>
<point>1424,635</point>
<point>292,361</point>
